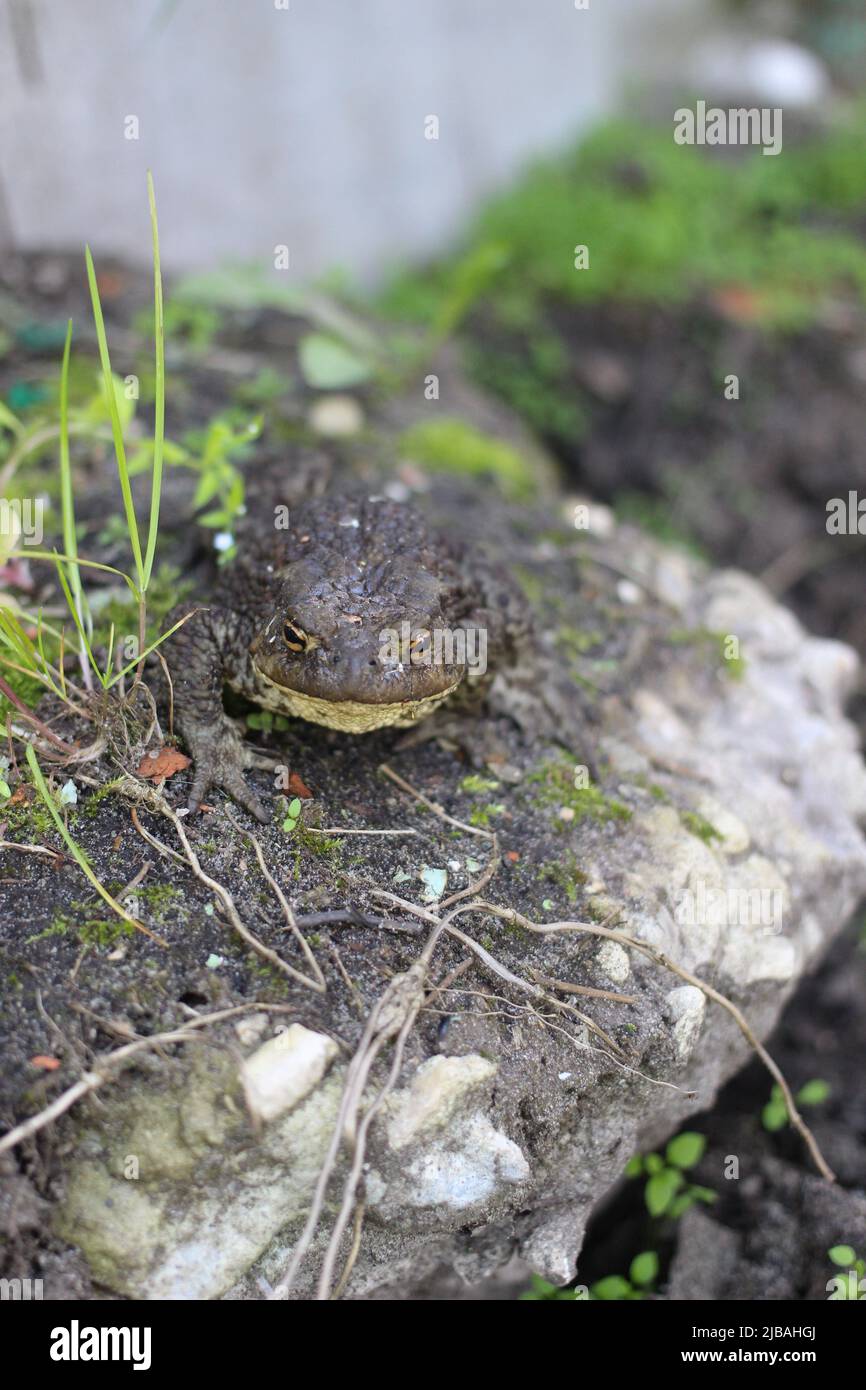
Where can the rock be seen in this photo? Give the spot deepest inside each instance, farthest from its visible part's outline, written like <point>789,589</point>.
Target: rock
<point>614,962</point>
<point>436,1091</point>
<point>284,1070</point>
<point>725,832</point>
<point>336,416</point>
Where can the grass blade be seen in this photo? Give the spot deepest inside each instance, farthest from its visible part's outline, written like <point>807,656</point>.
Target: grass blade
<point>116,426</point>
<point>147,651</point>
<point>67,506</point>
<point>159,396</point>
<point>74,559</point>
<point>85,641</point>
<point>78,853</point>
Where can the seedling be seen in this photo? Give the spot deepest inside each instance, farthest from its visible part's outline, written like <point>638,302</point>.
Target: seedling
<point>667,1193</point>
<point>851,1284</point>
<point>774,1115</point>
<point>642,1275</point>
<point>293,815</point>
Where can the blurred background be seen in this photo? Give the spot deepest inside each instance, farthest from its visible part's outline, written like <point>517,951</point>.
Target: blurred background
<point>434,165</point>
<point>302,124</point>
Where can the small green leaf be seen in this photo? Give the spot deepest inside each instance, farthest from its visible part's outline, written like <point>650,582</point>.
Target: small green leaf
<point>329,365</point>
<point>612,1288</point>
<point>774,1115</point>
<point>5,789</point>
<point>704,1194</point>
<point>813,1093</point>
<point>653,1163</point>
<point>680,1205</point>
<point>295,807</point>
<point>685,1150</point>
<point>644,1268</point>
<point>9,421</point>
<point>842,1255</point>
<point>660,1190</point>
<point>634,1167</point>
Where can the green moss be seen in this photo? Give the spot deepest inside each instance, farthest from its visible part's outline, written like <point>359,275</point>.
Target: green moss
<point>697,825</point>
<point>564,872</point>
<point>473,783</point>
<point>556,788</point>
<point>92,931</point>
<point>450,446</point>
<point>481,816</point>
<point>531,584</point>
<point>715,642</point>
<point>533,375</point>
<point>91,803</point>
<point>329,847</point>
<point>577,642</point>
<point>159,897</point>
<point>104,931</point>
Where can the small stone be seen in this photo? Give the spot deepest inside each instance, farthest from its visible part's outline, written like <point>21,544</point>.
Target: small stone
<point>628,591</point>
<point>251,1028</point>
<point>436,1091</point>
<point>285,1069</point>
<point>686,1006</point>
<point>336,416</point>
<point>566,813</point>
<point>612,959</point>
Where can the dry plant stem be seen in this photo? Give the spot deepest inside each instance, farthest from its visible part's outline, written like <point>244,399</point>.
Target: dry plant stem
<point>432,805</point>
<point>170,684</point>
<point>281,899</point>
<point>105,1066</point>
<point>495,858</point>
<point>510,915</point>
<point>497,968</point>
<point>393,1015</point>
<point>32,849</point>
<point>340,830</point>
<point>351,917</point>
<point>190,858</point>
<point>31,718</point>
<point>357,1228</point>
<point>568,988</point>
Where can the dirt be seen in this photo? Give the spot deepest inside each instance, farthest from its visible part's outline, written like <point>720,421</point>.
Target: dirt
<point>746,482</point>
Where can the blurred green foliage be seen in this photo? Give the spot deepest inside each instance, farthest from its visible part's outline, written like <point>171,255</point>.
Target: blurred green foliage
<point>663,221</point>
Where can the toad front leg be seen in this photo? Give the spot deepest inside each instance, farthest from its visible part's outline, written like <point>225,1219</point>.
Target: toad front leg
<point>211,648</point>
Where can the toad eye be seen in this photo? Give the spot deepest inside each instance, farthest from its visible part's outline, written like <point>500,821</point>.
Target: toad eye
<point>295,638</point>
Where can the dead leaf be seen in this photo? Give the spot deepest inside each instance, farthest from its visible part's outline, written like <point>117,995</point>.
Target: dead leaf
<point>164,762</point>
<point>297,787</point>
<point>45,1063</point>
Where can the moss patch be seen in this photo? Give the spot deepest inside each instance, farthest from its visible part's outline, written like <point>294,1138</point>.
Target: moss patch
<point>450,446</point>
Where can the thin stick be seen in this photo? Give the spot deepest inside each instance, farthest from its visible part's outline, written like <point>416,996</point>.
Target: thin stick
<point>31,849</point>
<point>281,899</point>
<point>568,988</point>
<point>511,915</point>
<point>99,1074</point>
<point>190,858</point>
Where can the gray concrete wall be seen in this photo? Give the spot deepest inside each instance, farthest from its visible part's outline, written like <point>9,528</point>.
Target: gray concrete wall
<point>303,126</point>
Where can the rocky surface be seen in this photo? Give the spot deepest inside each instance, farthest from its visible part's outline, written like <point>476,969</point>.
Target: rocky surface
<point>724,831</point>
<point>740,859</point>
